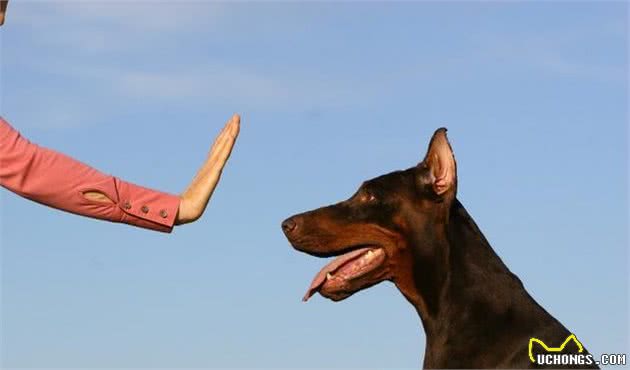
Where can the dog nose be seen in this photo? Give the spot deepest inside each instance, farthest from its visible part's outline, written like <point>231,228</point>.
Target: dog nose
<point>289,225</point>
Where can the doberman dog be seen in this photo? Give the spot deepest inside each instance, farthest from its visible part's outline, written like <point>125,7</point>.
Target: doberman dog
<point>409,228</point>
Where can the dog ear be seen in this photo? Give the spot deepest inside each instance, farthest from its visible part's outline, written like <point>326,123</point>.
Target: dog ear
<point>440,165</point>
<point>3,10</point>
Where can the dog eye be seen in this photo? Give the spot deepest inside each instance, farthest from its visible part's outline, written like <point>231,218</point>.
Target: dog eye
<point>368,197</point>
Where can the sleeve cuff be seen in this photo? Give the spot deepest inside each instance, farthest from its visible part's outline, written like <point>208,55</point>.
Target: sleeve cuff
<point>145,207</point>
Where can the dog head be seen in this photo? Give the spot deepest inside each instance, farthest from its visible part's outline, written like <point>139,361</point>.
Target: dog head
<point>388,230</point>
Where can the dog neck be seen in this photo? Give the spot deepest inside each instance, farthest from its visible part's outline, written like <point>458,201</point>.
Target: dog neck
<point>464,289</point>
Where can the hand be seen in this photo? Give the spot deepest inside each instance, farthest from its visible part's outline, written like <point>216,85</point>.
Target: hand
<point>195,199</point>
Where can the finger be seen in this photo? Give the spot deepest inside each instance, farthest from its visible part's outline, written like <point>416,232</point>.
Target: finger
<point>222,153</point>
<point>221,136</point>
<point>228,144</point>
<point>235,128</point>
<point>221,142</point>
<point>225,142</point>
<point>236,125</point>
<point>227,131</point>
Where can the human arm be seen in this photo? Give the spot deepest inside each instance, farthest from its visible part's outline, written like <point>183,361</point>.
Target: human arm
<point>59,181</point>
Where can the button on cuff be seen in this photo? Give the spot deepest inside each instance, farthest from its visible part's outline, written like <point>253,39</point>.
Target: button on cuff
<point>161,208</point>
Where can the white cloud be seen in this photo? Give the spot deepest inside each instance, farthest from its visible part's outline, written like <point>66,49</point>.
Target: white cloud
<point>120,15</point>
<point>90,43</point>
<point>45,107</point>
<point>91,26</point>
<point>215,82</point>
<point>79,32</point>
<point>551,53</point>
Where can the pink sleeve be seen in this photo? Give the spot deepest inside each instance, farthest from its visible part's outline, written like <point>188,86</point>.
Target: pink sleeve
<point>56,180</point>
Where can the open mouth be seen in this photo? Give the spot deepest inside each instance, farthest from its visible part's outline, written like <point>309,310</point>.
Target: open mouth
<point>348,274</point>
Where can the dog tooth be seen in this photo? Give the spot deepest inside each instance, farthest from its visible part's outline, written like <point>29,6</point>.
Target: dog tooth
<point>370,254</point>
<point>328,276</point>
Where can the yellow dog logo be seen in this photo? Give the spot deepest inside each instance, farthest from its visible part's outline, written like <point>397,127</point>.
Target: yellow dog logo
<point>571,337</point>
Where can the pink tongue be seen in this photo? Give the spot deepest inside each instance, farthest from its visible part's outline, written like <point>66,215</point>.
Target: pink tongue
<point>320,278</point>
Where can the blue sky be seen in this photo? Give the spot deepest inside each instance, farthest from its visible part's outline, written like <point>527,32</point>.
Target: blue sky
<point>534,96</point>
